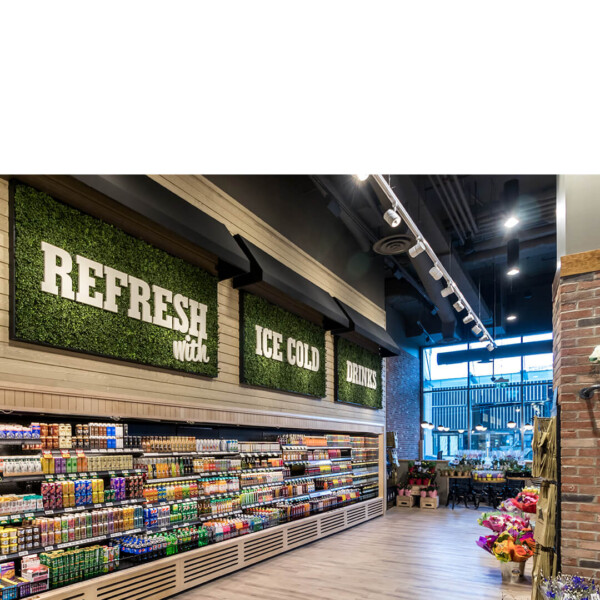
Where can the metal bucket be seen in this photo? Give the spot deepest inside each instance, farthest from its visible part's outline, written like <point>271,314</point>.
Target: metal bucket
<point>512,572</point>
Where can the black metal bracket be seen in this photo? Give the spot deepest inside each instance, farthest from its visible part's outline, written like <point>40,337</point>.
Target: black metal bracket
<point>587,392</point>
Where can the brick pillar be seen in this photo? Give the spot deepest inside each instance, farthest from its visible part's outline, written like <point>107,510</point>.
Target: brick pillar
<point>576,333</point>
<point>403,402</point>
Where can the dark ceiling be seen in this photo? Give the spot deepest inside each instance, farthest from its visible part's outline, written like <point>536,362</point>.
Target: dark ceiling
<point>463,218</point>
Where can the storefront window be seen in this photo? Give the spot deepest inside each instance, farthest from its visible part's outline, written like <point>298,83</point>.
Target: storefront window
<point>484,405</point>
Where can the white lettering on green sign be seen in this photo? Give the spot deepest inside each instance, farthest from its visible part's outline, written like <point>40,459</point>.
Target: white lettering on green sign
<point>360,375</point>
<point>146,303</point>
<point>297,352</point>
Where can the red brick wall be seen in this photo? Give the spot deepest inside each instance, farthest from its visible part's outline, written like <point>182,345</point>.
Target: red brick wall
<point>403,398</point>
<point>576,333</point>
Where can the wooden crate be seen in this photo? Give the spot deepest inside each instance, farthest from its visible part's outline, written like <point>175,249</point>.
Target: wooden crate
<point>407,501</point>
<point>430,503</point>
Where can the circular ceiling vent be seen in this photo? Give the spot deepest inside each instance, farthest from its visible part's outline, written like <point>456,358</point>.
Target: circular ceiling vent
<point>393,244</point>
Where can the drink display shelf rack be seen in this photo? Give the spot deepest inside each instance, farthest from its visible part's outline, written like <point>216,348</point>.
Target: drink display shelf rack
<point>288,520</point>
<point>67,476</point>
<point>73,544</point>
<point>18,517</point>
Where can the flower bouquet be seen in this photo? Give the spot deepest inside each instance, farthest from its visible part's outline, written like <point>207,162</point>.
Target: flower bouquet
<point>567,587</point>
<point>511,542</point>
<point>501,521</point>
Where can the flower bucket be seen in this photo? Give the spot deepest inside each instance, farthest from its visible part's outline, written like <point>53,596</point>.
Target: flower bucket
<point>423,494</point>
<point>433,494</point>
<point>401,492</point>
<point>512,572</point>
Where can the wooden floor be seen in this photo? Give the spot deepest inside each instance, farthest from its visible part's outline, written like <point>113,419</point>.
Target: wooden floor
<point>409,554</point>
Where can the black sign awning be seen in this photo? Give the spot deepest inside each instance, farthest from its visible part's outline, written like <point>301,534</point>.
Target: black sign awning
<point>158,204</point>
<point>270,278</point>
<point>368,330</point>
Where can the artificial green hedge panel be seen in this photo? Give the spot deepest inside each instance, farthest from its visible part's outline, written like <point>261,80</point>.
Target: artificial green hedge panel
<point>351,392</point>
<point>266,372</point>
<point>41,317</point>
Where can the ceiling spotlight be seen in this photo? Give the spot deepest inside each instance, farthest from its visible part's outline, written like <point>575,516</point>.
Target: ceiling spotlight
<point>479,427</point>
<point>436,273</point>
<point>483,428</point>
<point>476,330</point>
<point>458,306</point>
<point>512,257</point>
<point>430,426</point>
<point>416,249</point>
<point>440,428</point>
<point>461,430</point>
<point>511,317</point>
<point>490,347</point>
<point>362,177</point>
<point>424,424</point>
<point>447,291</point>
<point>511,424</point>
<point>528,427</point>
<point>392,218</point>
<point>468,319</point>
<point>511,222</point>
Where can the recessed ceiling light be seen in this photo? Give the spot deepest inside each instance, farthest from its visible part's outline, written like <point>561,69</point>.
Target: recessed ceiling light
<point>362,177</point>
<point>512,272</point>
<point>511,317</point>
<point>511,222</point>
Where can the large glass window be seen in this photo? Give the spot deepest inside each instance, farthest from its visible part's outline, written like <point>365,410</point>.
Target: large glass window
<point>485,405</point>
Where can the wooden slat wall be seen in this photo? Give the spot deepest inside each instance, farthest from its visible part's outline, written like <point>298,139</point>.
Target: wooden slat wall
<point>33,378</point>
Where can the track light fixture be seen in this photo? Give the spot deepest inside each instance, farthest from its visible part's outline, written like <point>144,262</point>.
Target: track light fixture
<point>511,424</point>
<point>476,330</point>
<point>447,291</point>
<point>392,218</point>
<point>458,306</point>
<point>490,346</point>
<point>435,272</point>
<point>416,249</point>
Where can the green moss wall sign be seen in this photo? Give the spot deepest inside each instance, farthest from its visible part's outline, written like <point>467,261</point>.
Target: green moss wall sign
<point>81,284</point>
<point>357,375</point>
<point>280,350</point>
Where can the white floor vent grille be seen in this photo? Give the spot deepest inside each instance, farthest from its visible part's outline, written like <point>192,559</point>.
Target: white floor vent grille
<point>257,549</point>
<point>331,523</point>
<point>139,587</point>
<point>375,509</point>
<point>211,565</point>
<point>302,534</point>
<point>356,515</point>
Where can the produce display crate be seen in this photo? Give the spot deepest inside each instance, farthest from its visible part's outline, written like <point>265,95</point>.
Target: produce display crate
<point>407,501</point>
<point>430,503</point>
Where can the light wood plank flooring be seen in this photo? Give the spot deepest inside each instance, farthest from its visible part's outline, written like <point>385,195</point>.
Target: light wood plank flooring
<point>410,554</point>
